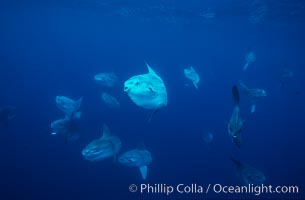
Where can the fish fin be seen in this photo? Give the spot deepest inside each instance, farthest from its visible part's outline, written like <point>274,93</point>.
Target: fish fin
<point>246,66</point>
<point>106,131</point>
<point>150,70</point>
<point>243,85</point>
<point>79,101</point>
<point>253,106</point>
<point>77,115</point>
<point>195,84</point>
<point>235,95</point>
<point>152,115</point>
<point>143,170</point>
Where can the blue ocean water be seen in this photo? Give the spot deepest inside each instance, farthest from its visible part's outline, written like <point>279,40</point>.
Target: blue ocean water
<point>51,48</point>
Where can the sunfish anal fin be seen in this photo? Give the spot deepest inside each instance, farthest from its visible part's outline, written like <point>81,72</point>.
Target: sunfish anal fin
<point>106,131</point>
<point>195,84</point>
<point>143,170</point>
<point>152,115</point>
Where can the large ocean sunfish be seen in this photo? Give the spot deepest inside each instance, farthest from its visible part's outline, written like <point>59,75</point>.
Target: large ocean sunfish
<point>137,158</point>
<point>147,90</point>
<point>106,146</point>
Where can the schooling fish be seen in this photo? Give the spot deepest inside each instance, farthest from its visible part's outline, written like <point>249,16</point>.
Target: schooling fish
<point>136,158</point>
<point>235,124</point>
<point>103,147</point>
<point>248,174</point>
<point>69,106</point>
<point>191,74</point>
<point>147,90</point>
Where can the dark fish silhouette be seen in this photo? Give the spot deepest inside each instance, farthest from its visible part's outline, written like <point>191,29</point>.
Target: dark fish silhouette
<point>247,173</point>
<point>235,124</point>
<point>66,126</point>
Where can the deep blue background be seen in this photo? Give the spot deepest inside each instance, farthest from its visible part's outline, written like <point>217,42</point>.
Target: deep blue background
<point>56,48</point>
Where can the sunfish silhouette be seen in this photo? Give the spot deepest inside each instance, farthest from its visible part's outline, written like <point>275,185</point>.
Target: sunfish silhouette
<point>104,147</point>
<point>191,74</point>
<point>139,157</point>
<point>147,90</point>
<point>235,124</point>
<point>247,173</point>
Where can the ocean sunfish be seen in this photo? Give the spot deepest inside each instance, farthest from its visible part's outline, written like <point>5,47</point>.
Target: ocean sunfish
<point>69,106</point>
<point>192,75</point>
<point>248,174</point>
<point>104,147</point>
<point>106,79</point>
<point>147,90</point>
<point>136,158</point>
<point>110,101</point>
<point>66,126</point>
<point>236,123</point>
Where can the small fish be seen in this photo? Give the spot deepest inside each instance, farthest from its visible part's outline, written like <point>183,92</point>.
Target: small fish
<point>136,158</point>
<point>103,147</point>
<point>106,79</point>
<point>192,75</point>
<point>248,174</point>
<point>110,101</point>
<point>235,124</point>
<point>69,106</point>
<point>66,126</point>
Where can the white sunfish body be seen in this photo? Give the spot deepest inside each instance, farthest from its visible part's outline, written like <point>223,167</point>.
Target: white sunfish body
<point>102,148</point>
<point>192,75</point>
<point>136,158</point>
<point>147,90</point>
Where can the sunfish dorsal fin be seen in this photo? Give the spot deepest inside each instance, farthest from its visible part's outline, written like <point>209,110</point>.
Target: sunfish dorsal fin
<point>150,70</point>
<point>106,131</point>
<point>143,170</point>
